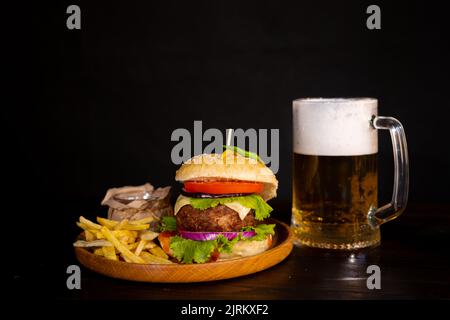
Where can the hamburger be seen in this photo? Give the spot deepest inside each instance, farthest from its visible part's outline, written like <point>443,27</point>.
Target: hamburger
<point>221,211</point>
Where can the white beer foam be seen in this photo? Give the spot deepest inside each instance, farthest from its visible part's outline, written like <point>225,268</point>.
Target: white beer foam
<point>334,127</point>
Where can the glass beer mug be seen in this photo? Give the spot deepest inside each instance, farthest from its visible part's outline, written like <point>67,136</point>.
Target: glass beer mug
<point>335,179</point>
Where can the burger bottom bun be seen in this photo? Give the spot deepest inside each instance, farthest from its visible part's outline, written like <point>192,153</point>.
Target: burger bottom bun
<point>247,248</point>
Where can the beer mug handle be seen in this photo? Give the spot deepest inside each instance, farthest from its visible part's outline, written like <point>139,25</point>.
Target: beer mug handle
<point>392,210</point>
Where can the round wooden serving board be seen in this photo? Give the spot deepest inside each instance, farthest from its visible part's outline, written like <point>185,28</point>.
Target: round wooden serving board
<point>281,248</point>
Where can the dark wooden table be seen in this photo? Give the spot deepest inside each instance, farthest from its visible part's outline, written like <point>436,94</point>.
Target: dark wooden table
<point>414,258</point>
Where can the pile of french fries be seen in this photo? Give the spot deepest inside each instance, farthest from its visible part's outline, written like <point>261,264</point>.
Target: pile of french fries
<point>129,241</point>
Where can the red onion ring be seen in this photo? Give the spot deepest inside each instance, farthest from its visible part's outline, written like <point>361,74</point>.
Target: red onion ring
<point>205,236</point>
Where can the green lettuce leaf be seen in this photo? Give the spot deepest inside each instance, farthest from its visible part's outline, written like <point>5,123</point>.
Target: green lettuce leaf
<point>253,201</point>
<point>189,251</point>
<point>225,245</point>
<point>244,153</point>
<point>262,231</point>
<point>168,223</point>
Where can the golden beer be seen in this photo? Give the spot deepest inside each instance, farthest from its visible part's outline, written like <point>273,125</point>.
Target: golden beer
<point>332,196</point>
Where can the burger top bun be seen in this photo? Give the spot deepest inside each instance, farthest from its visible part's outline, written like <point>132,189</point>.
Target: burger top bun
<point>228,166</point>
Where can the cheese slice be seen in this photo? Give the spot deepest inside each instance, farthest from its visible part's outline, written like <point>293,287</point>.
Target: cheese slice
<point>181,202</point>
<point>239,208</point>
<point>236,206</point>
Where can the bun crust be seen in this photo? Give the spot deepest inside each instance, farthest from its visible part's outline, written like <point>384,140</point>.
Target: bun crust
<point>232,166</point>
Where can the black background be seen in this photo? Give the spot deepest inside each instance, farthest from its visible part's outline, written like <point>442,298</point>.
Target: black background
<point>95,108</point>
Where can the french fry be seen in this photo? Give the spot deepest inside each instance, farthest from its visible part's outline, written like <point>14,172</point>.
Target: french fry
<point>127,238</point>
<point>132,246</point>
<point>121,224</point>
<point>130,234</point>
<point>82,225</point>
<point>124,240</point>
<point>125,259</point>
<point>150,245</point>
<point>136,227</point>
<point>121,247</point>
<point>142,221</point>
<point>89,236</point>
<point>149,258</point>
<point>95,243</point>
<point>157,251</point>
<point>89,223</point>
<point>109,253</point>
<point>85,227</point>
<point>148,235</point>
<point>99,251</point>
<point>126,225</point>
<point>140,247</point>
<point>110,224</point>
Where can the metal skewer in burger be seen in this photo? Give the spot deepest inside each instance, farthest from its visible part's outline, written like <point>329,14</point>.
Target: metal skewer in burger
<point>221,211</point>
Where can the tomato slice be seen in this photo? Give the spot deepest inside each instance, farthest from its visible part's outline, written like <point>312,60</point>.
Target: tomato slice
<point>222,187</point>
<point>164,240</point>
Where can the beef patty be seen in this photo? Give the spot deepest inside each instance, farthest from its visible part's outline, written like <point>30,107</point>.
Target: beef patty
<point>219,219</point>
